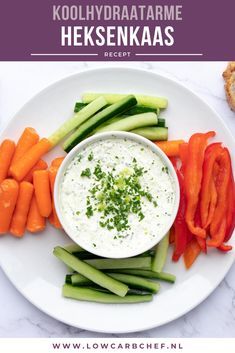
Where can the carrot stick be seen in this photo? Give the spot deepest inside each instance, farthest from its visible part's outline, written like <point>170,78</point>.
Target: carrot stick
<point>57,162</point>
<point>21,168</point>
<point>40,165</point>
<point>53,219</point>
<point>9,189</point>
<point>7,150</point>
<point>170,148</point>
<point>42,192</point>
<point>19,218</point>
<point>191,253</point>
<point>35,222</point>
<point>28,138</point>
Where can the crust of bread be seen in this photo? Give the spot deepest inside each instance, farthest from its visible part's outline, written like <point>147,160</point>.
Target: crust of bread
<point>229,78</point>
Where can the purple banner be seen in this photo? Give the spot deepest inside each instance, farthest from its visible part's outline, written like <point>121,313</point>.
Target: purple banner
<point>85,30</point>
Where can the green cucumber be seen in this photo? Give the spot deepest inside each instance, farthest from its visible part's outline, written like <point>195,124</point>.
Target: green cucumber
<point>92,295</point>
<point>152,133</point>
<point>138,109</point>
<point>76,120</point>
<point>131,122</point>
<point>73,248</point>
<point>88,126</point>
<point>90,272</point>
<point>160,257</point>
<point>161,122</point>
<point>136,282</point>
<point>133,262</point>
<point>149,101</point>
<point>164,276</point>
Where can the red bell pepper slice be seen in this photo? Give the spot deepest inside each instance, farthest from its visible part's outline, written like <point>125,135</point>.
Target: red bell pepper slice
<point>193,177</point>
<point>183,154</point>
<point>218,226</point>
<point>180,226</point>
<point>230,217</point>
<point>191,253</point>
<point>207,189</point>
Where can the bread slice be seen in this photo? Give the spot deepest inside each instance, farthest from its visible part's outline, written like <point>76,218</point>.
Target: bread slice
<point>229,78</point>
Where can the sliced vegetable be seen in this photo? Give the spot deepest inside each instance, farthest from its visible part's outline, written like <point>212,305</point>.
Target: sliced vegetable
<point>88,294</point>
<point>22,167</point>
<point>9,190</point>
<point>170,148</point>
<point>207,188</point>
<point>193,178</point>
<point>57,162</point>
<point>40,165</point>
<point>28,138</point>
<point>133,262</point>
<point>54,220</point>
<point>19,218</point>
<point>96,120</point>
<point>131,123</point>
<point>91,273</point>
<point>136,282</point>
<point>77,119</point>
<point>7,150</point>
<point>183,154</point>
<point>168,277</point>
<point>73,248</point>
<point>42,192</point>
<point>191,253</point>
<point>35,222</point>
<point>152,133</point>
<point>230,215</point>
<point>149,101</point>
<point>160,257</point>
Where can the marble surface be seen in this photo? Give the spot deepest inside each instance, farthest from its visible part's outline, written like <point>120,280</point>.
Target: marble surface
<point>215,317</point>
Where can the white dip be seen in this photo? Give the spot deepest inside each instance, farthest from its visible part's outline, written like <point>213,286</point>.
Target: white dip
<point>117,196</point>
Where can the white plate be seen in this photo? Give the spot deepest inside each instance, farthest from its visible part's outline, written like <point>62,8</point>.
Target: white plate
<point>29,262</point>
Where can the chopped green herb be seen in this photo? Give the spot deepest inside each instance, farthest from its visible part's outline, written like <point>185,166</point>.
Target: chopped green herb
<point>86,172</point>
<point>91,156</point>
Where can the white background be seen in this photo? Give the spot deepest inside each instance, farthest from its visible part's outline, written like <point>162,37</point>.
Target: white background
<point>215,317</point>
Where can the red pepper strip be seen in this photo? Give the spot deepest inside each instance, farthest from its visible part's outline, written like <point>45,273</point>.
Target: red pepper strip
<point>213,202</point>
<point>172,235</point>
<point>193,178</point>
<point>180,225</point>
<point>173,161</point>
<point>211,153</point>
<point>191,253</point>
<point>222,187</point>
<point>231,209</point>
<point>183,154</point>
<point>201,241</point>
<point>225,248</point>
<point>217,238</point>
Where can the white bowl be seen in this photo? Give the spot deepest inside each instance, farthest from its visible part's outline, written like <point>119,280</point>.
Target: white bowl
<point>99,137</point>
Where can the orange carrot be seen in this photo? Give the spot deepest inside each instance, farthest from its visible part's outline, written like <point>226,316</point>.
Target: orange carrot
<point>42,192</point>
<point>19,218</point>
<point>170,148</point>
<point>191,253</point>
<point>53,219</point>
<point>9,189</point>
<point>28,138</point>
<point>7,150</point>
<point>57,162</point>
<point>35,222</point>
<point>40,165</point>
<point>21,168</point>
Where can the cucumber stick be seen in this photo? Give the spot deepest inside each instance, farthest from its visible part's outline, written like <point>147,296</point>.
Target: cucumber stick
<point>76,120</point>
<point>149,101</point>
<point>92,295</point>
<point>133,262</point>
<point>72,248</point>
<point>159,259</point>
<point>164,276</point>
<point>88,126</point>
<point>91,273</point>
<point>131,122</point>
<point>152,133</point>
<point>136,282</point>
